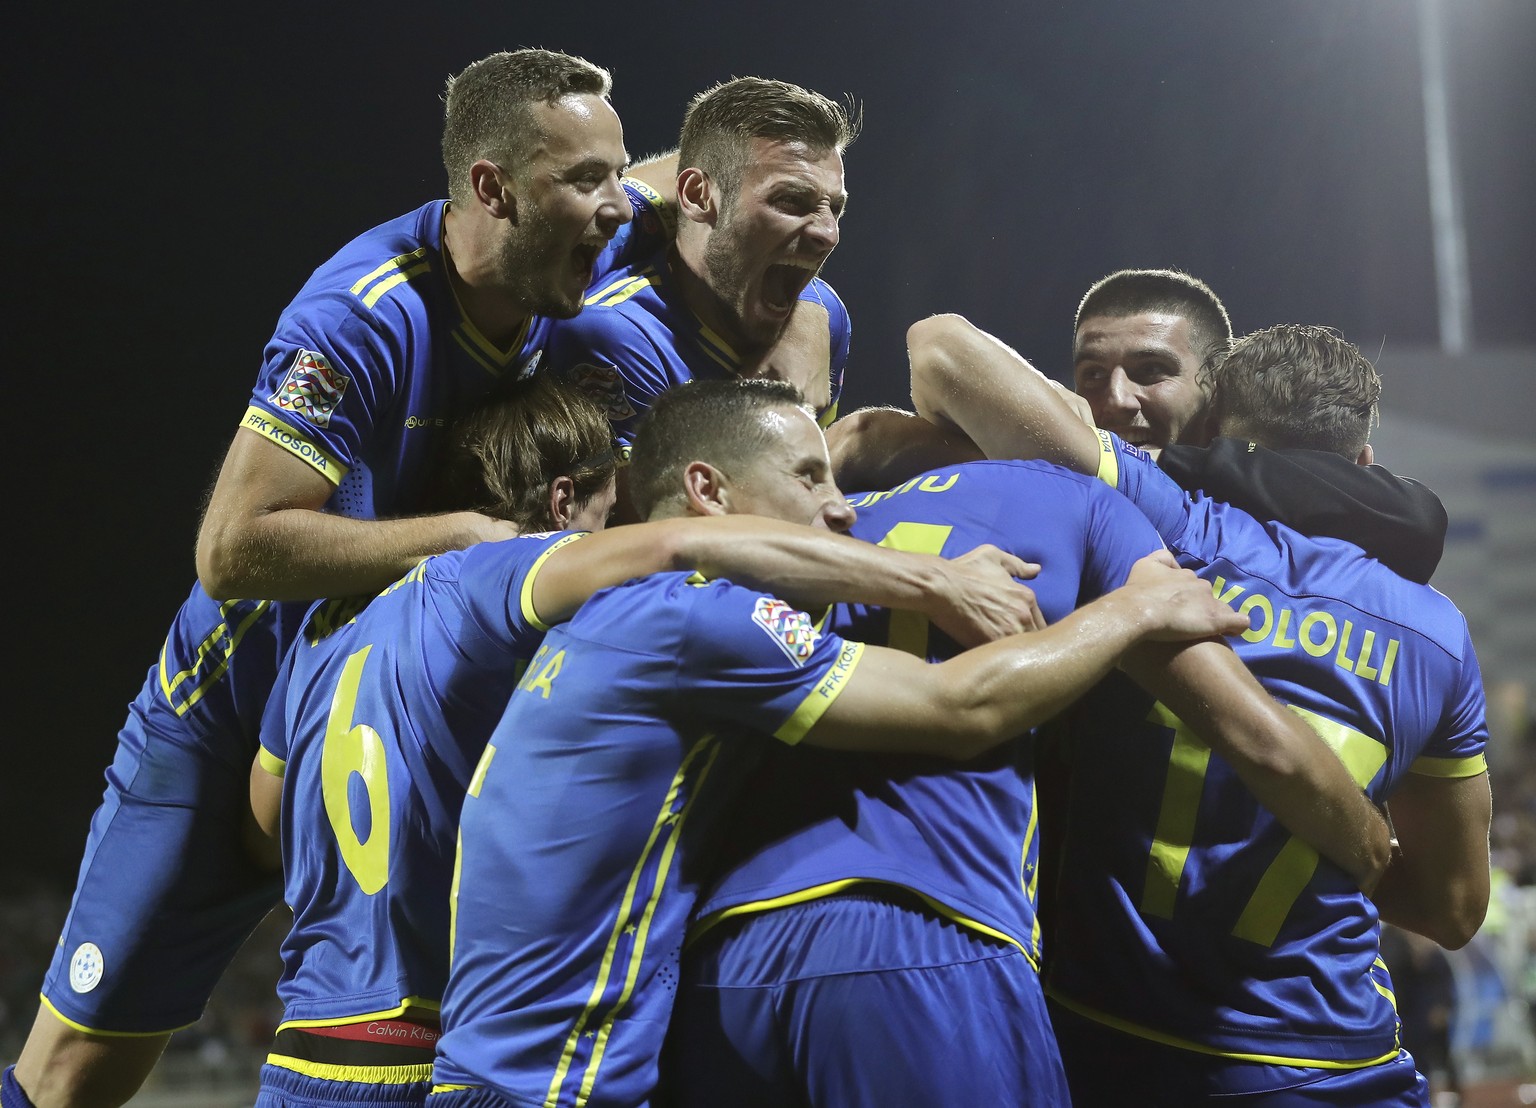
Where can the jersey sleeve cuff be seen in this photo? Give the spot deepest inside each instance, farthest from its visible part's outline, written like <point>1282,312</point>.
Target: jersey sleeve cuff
<point>275,431</point>
<point>525,598</point>
<point>271,762</point>
<point>819,699</point>
<point>1449,767</point>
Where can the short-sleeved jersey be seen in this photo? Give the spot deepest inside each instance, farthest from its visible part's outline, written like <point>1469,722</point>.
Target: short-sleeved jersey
<point>376,723</point>
<point>635,338</point>
<point>1188,913</point>
<point>586,820</point>
<point>962,837</point>
<point>367,365</point>
<point>375,355</point>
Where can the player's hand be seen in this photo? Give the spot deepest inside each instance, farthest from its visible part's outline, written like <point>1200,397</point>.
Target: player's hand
<point>478,528</point>
<point>982,601</point>
<point>1177,604</point>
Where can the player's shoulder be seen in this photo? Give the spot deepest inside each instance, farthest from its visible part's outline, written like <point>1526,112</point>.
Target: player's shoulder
<point>385,267</point>
<point>629,296</point>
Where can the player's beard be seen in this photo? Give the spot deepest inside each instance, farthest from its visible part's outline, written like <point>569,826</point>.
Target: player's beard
<point>730,279</point>
<point>537,268</point>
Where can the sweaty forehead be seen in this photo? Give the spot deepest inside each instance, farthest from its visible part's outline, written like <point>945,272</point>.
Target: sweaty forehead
<point>578,126</point>
<point>774,159</point>
<point>1143,334</point>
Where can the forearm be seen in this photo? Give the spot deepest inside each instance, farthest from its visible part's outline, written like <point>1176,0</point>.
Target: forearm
<point>1007,687</point>
<point>1282,761</point>
<point>1438,883</point>
<point>963,377</point>
<point>811,568</point>
<point>302,554</point>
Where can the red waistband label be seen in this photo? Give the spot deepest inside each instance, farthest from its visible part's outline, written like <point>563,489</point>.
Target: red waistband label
<point>399,1032</point>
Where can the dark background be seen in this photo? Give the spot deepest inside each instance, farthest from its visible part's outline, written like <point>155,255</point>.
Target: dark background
<point>175,173</point>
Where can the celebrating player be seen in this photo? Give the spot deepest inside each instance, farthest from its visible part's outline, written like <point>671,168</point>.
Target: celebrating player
<point>1195,938</point>
<point>760,191</point>
<point>406,325</point>
<point>590,814</point>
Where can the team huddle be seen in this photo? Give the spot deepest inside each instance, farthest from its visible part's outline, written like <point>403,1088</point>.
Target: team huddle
<point>623,727</point>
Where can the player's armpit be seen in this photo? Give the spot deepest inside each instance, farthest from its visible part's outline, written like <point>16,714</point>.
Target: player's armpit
<point>966,378</point>
<point>1283,762</point>
<point>1438,884</point>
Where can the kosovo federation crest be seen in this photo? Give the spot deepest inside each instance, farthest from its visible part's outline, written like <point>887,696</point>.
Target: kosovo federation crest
<point>787,626</point>
<point>606,388</point>
<point>312,388</point>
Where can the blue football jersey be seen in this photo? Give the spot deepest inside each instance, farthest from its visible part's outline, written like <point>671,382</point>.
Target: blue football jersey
<point>963,837</point>
<point>587,821</point>
<point>635,338</point>
<point>1187,913</point>
<point>375,725</point>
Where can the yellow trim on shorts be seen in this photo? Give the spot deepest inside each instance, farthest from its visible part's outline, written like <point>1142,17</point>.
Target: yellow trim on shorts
<point>368,1075</point>
<point>410,1005</point>
<point>821,892</point>
<point>1200,1048</point>
<point>84,1030</point>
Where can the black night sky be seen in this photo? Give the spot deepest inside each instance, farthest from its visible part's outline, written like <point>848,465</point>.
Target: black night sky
<point>176,171</point>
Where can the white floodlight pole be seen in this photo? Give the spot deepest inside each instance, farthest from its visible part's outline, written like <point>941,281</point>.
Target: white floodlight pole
<point>1452,280</point>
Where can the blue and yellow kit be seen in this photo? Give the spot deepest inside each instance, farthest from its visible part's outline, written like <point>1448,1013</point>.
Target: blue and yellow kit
<point>1187,914</point>
<point>375,725</point>
<point>588,820</point>
<point>367,365</point>
<point>635,338</point>
<point>963,839</point>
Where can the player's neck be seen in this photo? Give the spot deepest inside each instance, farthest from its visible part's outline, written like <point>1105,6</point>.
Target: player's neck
<point>468,260</point>
<point>689,273</point>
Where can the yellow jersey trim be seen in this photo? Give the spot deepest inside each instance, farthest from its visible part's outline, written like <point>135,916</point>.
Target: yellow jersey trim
<point>408,1006</point>
<point>667,826</point>
<point>394,272</point>
<point>450,1089</point>
<point>1200,1048</point>
<point>819,699</point>
<point>665,210</point>
<point>525,597</point>
<point>828,417</point>
<point>1109,461</point>
<point>268,426</point>
<point>271,762</point>
<point>1450,767</point>
<point>370,1075</point>
<point>221,642</point>
<point>83,1029</point>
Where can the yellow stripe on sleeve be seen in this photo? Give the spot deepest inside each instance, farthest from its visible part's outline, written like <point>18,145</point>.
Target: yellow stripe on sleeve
<point>525,599</point>
<point>271,762</point>
<point>275,431</point>
<point>1109,460</point>
<point>1450,767</point>
<point>819,699</point>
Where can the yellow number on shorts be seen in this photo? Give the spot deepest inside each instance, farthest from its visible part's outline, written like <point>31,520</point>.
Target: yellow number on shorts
<point>356,748</point>
<point>1285,878</point>
<point>909,630</point>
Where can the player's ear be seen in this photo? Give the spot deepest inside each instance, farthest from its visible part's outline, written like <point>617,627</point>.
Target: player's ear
<point>492,190</point>
<point>562,502</point>
<point>707,490</point>
<point>696,196</point>
<point>1366,457</point>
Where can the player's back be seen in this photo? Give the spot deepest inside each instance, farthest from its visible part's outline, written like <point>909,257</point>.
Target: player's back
<point>378,721</point>
<point>1185,909</point>
<point>586,820</point>
<point>965,837</point>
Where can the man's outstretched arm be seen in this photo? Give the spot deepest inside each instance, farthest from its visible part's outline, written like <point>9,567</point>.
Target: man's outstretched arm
<point>964,378</point>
